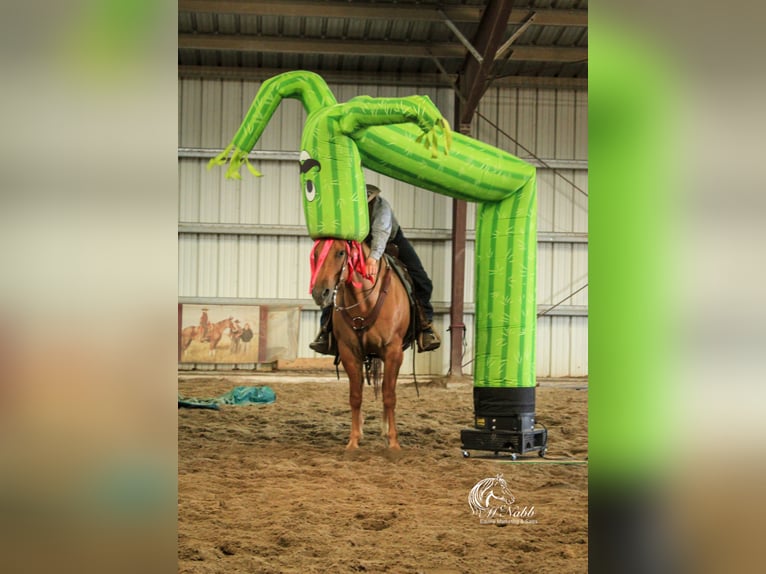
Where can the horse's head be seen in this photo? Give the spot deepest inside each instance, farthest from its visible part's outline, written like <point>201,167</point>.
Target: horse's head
<point>502,491</point>
<point>328,263</point>
<point>491,495</point>
<point>334,261</point>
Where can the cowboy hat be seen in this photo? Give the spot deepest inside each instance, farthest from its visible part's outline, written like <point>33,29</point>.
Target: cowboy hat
<point>372,192</point>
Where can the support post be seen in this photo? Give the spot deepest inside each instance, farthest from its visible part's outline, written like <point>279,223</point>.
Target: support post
<point>263,333</point>
<point>457,295</point>
<point>457,325</point>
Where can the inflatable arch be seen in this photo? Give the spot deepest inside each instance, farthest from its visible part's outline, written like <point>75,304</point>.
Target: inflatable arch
<point>408,139</point>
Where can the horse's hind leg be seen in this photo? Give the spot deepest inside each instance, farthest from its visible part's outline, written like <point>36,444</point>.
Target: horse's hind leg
<point>391,372</point>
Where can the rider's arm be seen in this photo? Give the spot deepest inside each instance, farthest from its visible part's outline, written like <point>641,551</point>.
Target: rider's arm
<point>380,227</point>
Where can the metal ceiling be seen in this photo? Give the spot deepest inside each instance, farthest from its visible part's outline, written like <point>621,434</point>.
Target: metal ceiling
<point>543,43</point>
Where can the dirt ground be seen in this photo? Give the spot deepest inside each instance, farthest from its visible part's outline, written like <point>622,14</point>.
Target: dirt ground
<point>270,488</point>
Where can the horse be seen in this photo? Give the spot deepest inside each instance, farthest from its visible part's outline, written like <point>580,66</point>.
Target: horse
<point>188,335</point>
<point>490,497</point>
<point>215,332</point>
<point>370,319</point>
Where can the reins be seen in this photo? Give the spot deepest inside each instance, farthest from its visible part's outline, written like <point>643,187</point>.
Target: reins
<point>360,324</point>
<point>365,298</point>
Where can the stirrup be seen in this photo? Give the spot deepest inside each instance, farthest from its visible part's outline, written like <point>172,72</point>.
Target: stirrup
<point>324,344</point>
<point>428,340</point>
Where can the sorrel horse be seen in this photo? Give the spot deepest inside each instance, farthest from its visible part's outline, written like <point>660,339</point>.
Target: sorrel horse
<point>214,334</point>
<point>188,335</point>
<point>370,319</point>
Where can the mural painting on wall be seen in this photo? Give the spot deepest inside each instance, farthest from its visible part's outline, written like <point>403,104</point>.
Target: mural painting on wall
<point>237,334</point>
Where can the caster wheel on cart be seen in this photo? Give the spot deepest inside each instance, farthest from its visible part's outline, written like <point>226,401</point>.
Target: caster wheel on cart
<point>541,453</point>
<point>466,454</point>
<point>513,456</point>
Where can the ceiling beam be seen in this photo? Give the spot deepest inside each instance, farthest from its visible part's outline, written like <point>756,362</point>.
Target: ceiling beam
<point>375,78</point>
<point>239,43</point>
<point>473,78</point>
<point>559,54</point>
<point>382,11</point>
<point>333,9</point>
<point>502,50</point>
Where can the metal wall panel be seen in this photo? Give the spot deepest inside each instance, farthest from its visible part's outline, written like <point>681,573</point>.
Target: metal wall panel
<point>188,247</point>
<point>545,124</point>
<point>579,274</point>
<point>206,279</point>
<point>550,124</point>
<point>228,265</point>
<point>249,267</point>
<point>546,181</point>
<point>188,184</point>
<point>561,336</point>
<point>580,209</point>
<point>581,125</point>
<point>564,125</point>
<point>543,364</point>
<point>578,350</point>
<point>189,113</point>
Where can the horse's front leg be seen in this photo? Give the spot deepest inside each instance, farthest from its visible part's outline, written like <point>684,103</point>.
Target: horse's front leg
<point>353,367</point>
<point>392,363</point>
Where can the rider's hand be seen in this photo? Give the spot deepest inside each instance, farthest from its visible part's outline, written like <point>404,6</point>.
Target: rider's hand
<point>372,267</point>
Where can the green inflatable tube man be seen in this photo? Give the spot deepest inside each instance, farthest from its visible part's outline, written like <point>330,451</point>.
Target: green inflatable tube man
<point>408,139</point>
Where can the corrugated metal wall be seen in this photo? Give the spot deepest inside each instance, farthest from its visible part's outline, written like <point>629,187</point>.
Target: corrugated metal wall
<point>245,241</point>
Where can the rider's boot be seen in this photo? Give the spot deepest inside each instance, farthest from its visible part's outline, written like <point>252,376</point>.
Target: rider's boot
<point>323,343</point>
<point>427,339</point>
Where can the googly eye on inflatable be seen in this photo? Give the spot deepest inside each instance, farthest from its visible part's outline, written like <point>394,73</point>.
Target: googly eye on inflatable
<point>308,164</point>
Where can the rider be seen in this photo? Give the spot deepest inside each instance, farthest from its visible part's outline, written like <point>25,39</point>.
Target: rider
<point>385,229</point>
<point>204,324</point>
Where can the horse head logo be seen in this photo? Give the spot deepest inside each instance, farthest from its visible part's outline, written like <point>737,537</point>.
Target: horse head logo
<point>490,497</point>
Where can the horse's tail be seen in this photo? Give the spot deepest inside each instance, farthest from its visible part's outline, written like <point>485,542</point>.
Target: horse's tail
<point>373,368</point>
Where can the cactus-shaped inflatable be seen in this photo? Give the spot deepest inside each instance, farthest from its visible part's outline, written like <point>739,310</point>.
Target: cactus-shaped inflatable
<point>408,139</point>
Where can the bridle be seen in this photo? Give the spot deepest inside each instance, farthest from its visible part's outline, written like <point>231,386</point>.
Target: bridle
<point>347,268</point>
<point>354,262</point>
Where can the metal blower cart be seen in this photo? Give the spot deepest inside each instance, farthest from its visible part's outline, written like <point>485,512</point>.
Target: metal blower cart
<point>504,421</point>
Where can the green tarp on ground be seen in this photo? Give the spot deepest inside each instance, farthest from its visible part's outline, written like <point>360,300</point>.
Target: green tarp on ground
<point>236,396</point>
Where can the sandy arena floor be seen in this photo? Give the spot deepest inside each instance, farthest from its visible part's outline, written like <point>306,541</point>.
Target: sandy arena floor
<point>270,488</point>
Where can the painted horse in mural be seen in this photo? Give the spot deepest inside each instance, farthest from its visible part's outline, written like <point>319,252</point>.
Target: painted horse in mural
<point>188,335</point>
<point>215,332</point>
<point>371,318</point>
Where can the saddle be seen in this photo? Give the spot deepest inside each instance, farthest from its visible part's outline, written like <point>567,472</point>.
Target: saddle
<point>417,317</point>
